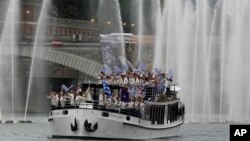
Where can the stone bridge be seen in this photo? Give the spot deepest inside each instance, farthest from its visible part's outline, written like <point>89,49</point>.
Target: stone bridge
<point>86,58</point>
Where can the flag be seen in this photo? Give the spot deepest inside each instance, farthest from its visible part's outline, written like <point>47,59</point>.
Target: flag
<point>65,88</point>
<point>135,70</point>
<point>161,85</point>
<point>105,69</point>
<point>117,69</point>
<point>106,88</point>
<point>170,75</point>
<point>142,66</point>
<point>157,70</point>
<point>132,90</point>
<point>125,67</point>
<point>71,87</point>
<point>125,63</point>
<point>124,95</point>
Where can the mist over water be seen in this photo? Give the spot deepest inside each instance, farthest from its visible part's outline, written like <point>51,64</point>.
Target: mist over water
<point>141,29</point>
<point>39,38</point>
<point>109,17</point>
<point>110,20</point>
<point>205,43</point>
<point>11,83</point>
<point>8,47</point>
<point>146,16</point>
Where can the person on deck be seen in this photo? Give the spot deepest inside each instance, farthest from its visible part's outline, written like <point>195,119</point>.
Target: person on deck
<point>80,100</point>
<point>54,99</point>
<point>101,99</point>
<point>170,76</point>
<point>62,99</point>
<point>125,96</point>
<point>71,97</point>
<point>88,94</point>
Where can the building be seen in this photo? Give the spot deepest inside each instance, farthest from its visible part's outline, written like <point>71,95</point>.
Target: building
<point>66,30</point>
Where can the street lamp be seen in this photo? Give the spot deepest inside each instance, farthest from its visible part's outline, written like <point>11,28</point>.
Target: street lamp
<point>27,11</point>
<point>132,25</point>
<point>108,22</point>
<point>92,20</point>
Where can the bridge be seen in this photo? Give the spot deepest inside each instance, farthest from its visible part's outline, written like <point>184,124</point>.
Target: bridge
<point>83,57</point>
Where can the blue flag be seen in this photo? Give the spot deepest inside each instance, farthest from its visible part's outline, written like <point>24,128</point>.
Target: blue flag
<point>125,67</point>
<point>156,70</point>
<point>142,66</point>
<point>117,69</point>
<point>170,74</point>
<point>106,88</point>
<point>65,88</point>
<point>106,69</point>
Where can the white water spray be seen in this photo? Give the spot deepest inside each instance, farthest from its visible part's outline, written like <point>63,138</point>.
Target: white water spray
<point>40,24</point>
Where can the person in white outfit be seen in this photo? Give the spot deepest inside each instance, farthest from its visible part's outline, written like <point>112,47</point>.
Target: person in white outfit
<point>54,99</point>
<point>101,99</point>
<point>89,97</point>
<point>71,98</point>
<point>62,99</point>
<point>80,100</point>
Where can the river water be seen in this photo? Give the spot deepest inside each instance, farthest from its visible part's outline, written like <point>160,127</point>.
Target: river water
<point>40,130</point>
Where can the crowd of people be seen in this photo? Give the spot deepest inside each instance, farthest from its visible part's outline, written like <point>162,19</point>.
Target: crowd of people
<point>136,78</point>
<point>131,94</point>
<point>70,98</point>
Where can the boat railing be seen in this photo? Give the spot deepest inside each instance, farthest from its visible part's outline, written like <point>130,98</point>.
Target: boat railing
<point>156,112</point>
<point>164,112</point>
<point>152,94</point>
<point>115,107</point>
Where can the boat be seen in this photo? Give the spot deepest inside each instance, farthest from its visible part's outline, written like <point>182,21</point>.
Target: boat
<point>160,115</point>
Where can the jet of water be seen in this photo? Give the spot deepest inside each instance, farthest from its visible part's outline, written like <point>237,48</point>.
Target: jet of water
<point>7,50</point>
<point>39,31</point>
<point>205,43</point>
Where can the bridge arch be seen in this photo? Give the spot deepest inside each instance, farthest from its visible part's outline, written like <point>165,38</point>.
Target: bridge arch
<point>79,63</point>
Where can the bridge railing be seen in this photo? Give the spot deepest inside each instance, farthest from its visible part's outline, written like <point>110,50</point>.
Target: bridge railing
<point>64,38</point>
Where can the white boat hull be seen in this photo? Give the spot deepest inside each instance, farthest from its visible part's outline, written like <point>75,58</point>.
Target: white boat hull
<point>115,126</point>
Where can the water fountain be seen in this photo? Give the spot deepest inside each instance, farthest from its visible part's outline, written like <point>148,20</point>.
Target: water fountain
<point>148,14</point>
<point>40,32</point>
<point>111,24</point>
<point>10,77</point>
<point>7,59</point>
<point>205,43</point>
<point>141,29</point>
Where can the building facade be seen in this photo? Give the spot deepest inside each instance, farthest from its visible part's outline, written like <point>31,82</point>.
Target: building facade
<point>66,30</point>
